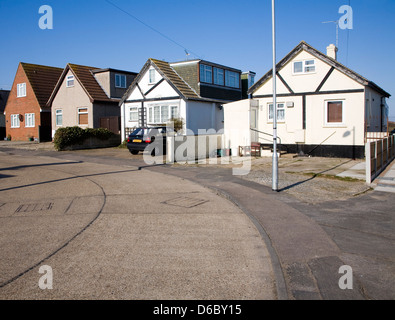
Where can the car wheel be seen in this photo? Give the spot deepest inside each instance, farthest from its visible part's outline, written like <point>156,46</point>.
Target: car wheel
<point>134,152</point>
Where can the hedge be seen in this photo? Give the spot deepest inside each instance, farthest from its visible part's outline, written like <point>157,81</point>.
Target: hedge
<point>69,136</point>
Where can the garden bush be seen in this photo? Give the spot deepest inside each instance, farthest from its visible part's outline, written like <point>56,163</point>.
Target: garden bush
<point>69,136</point>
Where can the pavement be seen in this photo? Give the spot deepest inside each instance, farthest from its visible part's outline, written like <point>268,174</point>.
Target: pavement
<point>237,240</point>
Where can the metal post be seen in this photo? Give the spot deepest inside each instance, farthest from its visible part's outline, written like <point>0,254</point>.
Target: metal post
<point>275,157</point>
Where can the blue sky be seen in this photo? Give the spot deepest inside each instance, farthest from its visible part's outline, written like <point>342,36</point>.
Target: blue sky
<point>229,32</point>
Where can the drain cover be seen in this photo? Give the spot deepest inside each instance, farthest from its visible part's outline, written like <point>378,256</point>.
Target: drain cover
<point>185,202</point>
<point>34,207</point>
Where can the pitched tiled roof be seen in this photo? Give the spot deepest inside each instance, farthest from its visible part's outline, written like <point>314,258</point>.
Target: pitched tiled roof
<point>3,99</point>
<point>42,79</point>
<point>85,77</point>
<point>171,75</point>
<point>332,62</point>
<point>89,82</point>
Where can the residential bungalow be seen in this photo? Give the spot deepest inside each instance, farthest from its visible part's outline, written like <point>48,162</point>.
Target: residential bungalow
<point>3,101</point>
<point>88,97</point>
<point>193,91</point>
<point>27,115</point>
<point>323,107</point>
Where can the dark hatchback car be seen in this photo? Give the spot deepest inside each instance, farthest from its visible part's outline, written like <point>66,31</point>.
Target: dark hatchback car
<point>148,139</point>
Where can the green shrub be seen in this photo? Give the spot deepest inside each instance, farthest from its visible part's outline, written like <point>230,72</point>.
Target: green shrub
<point>69,136</point>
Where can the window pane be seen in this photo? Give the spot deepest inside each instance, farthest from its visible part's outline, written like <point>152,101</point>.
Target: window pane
<point>218,76</point>
<point>134,114</point>
<point>29,120</point>
<point>83,116</point>
<point>335,112</point>
<point>270,112</point>
<point>174,112</point>
<point>70,81</point>
<point>150,114</point>
<point>298,67</point>
<point>206,74</point>
<point>59,117</point>
<point>21,90</point>
<point>310,69</point>
<point>152,76</point>
<point>232,79</point>
<point>165,114</point>
<point>156,114</point>
<point>280,114</point>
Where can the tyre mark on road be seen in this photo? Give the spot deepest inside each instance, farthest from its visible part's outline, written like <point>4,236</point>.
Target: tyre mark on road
<point>67,242</point>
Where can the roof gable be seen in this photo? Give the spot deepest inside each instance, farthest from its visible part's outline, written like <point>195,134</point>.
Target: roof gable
<point>303,46</point>
<point>168,74</point>
<point>85,77</point>
<point>42,79</point>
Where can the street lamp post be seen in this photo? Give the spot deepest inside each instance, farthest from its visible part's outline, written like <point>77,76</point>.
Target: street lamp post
<point>275,157</point>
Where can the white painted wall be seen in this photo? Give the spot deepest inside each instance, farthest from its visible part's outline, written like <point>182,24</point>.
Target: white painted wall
<point>237,125</point>
<point>203,115</point>
<point>69,100</point>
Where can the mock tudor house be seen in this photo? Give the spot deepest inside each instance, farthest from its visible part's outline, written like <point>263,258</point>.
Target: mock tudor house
<point>3,101</point>
<point>26,113</point>
<point>323,107</point>
<point>88,97</point>
<point>192,90</point>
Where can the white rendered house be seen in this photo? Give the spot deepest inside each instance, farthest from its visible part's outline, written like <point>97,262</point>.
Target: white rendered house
<point>193,91</point>
<point>323,107</point>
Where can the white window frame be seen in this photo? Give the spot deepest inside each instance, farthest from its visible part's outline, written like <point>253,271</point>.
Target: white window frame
<point>335,124</point>
<point>21,90</point>
<point>69,79</point>
<point>59,113</point>
<point>79,113</point>
<point>151,76</point>
<point>133,111</point>
<point>206,73</point>
<point>29,120</point>
<point>304,66</point>
<point>120,81</point>
<point>161,113</point>
<point>15,122</point>
<point>280,107</point>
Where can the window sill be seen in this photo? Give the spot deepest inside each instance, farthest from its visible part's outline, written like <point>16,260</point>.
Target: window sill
<point>337,125</point>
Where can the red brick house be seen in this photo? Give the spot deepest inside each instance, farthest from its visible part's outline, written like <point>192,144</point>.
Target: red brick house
<point>26,115</point>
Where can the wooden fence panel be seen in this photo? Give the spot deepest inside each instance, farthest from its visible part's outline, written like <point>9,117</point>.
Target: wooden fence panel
<point>379,154</point>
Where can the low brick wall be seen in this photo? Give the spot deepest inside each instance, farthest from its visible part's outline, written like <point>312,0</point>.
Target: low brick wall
<point>95,143</point>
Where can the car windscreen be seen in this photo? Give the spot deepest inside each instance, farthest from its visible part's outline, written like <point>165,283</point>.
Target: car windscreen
<point>138,132</point>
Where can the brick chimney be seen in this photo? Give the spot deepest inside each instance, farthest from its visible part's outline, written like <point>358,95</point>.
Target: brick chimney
<point>331,51</point>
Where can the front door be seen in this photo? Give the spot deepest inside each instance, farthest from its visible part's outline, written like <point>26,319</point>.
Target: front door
<point>254,124</point>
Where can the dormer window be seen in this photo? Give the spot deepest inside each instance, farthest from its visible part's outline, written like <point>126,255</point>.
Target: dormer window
<point>120,81</point>
<point>70,81</point>
<point>303,67</point>
<point>206,74</point>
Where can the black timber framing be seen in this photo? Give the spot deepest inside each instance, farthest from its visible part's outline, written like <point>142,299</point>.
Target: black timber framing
<point>154,87</point>
<point>304,111</point>
<point>310,93</point>
<point>325,79</point>
<point>154,99</point>
<point>285,83</point>
<point>326,151</point>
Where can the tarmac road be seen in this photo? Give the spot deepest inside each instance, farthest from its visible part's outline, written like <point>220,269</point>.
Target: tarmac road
<point>307,244</point>
<point>117,232</point>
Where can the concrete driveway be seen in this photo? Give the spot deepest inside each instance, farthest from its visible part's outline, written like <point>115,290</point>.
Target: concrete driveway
<point>116,232</point>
